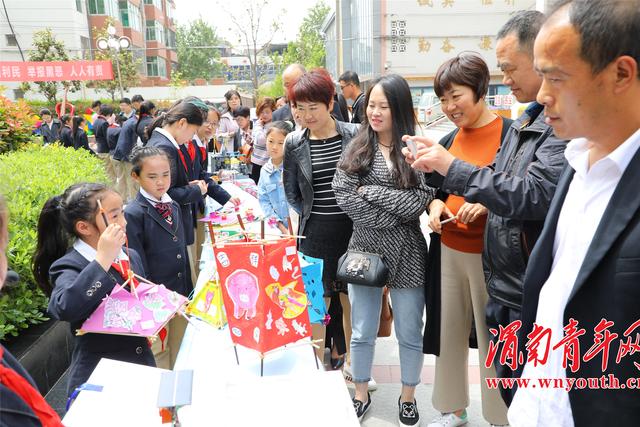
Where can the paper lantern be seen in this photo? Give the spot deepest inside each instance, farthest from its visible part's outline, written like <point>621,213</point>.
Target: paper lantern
<point>143,312</point>
<point>312,278</point>
<point>263,293</point>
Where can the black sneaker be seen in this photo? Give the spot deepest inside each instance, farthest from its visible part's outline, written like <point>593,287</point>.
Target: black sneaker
<point>360,407</point>
<point>408,413</point>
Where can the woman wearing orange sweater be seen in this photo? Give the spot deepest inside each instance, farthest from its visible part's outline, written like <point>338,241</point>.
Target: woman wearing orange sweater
<point>461,83</point>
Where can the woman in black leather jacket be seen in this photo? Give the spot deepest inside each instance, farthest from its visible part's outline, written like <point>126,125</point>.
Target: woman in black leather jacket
<point>310,161</point>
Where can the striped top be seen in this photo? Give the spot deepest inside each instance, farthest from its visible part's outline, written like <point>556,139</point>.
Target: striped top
<point>325,154</point>
<point>260,156</point>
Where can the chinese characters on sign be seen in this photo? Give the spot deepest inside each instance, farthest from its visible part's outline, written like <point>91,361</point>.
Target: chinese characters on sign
<point>539,342</point>
<point>16,71</point>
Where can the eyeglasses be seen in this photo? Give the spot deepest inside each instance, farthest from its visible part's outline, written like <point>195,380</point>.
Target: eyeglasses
<point>210,124</point>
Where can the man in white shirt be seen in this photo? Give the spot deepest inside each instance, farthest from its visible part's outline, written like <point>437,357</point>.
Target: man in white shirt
<point>586,264</point>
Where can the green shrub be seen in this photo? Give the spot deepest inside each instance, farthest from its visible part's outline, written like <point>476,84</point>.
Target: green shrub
<point>16,124</point>
<point>27,179</point>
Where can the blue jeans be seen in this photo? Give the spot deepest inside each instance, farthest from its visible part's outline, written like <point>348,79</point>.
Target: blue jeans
<point>408,309</point>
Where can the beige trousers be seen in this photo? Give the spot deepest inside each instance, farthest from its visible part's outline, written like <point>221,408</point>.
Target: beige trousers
<point>108,167</point>
<point>126,185</point>
<point>166,357</point>
<point>193,262</point>
<point>463,299</point>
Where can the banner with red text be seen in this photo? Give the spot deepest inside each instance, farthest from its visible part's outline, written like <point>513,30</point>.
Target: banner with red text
<point>16,71</point>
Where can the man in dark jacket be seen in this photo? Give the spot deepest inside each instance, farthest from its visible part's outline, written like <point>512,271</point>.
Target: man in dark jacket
<point>517,189</point>
<point>350,85</point>
<point>290,75</point>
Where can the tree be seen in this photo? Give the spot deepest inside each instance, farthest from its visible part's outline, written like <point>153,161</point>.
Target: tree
<point>254,34</point>
<point>308,48</point>
<point>198,51</point>
<point>128,65</point>
<point>47,48</point>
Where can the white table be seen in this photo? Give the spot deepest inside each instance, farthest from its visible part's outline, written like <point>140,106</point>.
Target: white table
<point>292,392</point>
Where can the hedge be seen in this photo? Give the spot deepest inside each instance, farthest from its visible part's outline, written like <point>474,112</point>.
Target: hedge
<point>28,178</point>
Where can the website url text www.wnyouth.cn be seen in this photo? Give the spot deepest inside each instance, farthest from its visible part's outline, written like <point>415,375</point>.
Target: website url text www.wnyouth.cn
<point>608,382</point>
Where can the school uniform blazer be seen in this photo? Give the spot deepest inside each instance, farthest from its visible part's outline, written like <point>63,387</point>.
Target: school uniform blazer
<point>100,126</point>
<point>607,287</point>
<point>184,194</point>
<point>126,140</point>
<point>82,141</point>
<point>79,286</point>
<point>13,410</point>
<point>161,246</point>
<point>113,133</point>
<point>66,136</point>
<point>215,191</point>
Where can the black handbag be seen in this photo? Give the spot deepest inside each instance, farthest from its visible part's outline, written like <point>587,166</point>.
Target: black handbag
<point>362,268</point>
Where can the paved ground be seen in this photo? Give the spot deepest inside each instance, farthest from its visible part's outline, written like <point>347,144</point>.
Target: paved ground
<point>386,372</point>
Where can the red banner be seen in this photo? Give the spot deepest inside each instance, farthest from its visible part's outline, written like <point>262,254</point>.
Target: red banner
<point>16,71</point>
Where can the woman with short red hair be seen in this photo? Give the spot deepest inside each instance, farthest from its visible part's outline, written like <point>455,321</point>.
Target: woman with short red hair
<point>310,161</point>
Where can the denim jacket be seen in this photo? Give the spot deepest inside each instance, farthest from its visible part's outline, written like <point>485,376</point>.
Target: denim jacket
<point>273,200</point>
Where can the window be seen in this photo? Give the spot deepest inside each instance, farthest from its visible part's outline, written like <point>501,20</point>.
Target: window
<point>85,44</point>
<point>156,66</point>
<point>79,5</point>
<point>171,12</point>
<point>155,31</point>
<point>156,3</point>
<point>11,40</point>
<point>104,7</point>
<point>171,38</point>
<point>130,15</point>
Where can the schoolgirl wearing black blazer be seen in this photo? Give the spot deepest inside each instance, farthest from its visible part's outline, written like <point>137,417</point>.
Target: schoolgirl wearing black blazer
<point>77,279</point>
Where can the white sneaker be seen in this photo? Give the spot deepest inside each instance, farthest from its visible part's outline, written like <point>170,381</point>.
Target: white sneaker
<point>348,378</point>
<point>449,420</point>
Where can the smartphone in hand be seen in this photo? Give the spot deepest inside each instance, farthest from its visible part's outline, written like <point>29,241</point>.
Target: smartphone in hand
<point>413,147</point>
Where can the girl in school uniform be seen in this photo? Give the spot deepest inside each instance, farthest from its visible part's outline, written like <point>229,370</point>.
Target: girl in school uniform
<point>66,134</point>
<point>271,195</point>
<point>80,139</point>
<point>78,261</point>
<point>170,132</point>
<point>154,230</point>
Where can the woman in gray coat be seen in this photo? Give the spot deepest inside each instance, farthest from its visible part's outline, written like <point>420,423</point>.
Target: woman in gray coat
<point>384,197</point>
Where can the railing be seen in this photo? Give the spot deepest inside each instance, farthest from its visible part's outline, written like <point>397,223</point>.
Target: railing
<point>434,115</point>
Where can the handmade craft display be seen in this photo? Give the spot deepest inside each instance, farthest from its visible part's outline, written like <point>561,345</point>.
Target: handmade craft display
<point>312,278</point>
<point>138,307</point>
<point>263,293</point>
<point>207,304</point>
<point>143,311</point>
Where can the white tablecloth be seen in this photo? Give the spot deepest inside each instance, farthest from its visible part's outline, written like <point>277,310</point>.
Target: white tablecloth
<point>292,393</point>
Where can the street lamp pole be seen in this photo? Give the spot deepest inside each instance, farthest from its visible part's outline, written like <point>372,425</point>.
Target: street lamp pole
<point>114,44</point>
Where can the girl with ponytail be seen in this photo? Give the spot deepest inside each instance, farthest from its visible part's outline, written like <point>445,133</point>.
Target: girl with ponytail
<point>171,132</point>
<point>78,261</point>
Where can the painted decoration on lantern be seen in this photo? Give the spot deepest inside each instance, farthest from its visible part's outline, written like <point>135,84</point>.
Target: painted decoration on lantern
<point>263,293</point>
<point>142,312</point>
<point>207,305</point>
<point>312,277</point>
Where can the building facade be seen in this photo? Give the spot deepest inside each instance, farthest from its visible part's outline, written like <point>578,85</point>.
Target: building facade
<point>150,24</point>
<point>413,37</point>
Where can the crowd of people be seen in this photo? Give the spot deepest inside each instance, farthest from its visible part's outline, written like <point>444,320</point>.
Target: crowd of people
<point>535,221</point>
